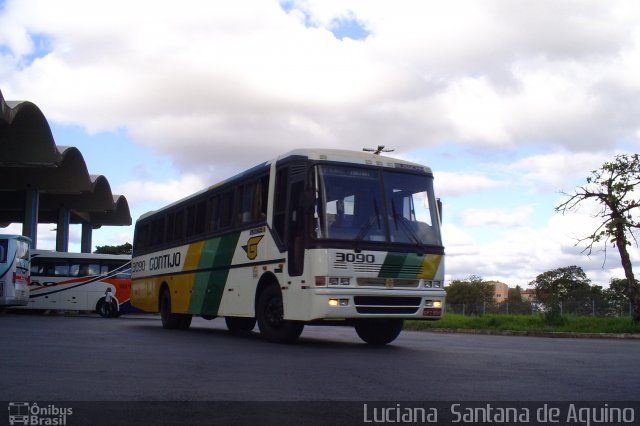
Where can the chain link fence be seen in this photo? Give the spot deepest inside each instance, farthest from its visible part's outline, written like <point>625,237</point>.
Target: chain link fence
<point>590,307</point>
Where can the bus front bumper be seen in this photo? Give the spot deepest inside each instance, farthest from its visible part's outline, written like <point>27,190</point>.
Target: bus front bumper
<point>332,303</point>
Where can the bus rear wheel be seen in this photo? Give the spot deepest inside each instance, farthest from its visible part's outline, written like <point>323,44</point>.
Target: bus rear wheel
<point>172,321</point>
<point>270,317</point>
<point>379,331</point>
<point>240,324</point>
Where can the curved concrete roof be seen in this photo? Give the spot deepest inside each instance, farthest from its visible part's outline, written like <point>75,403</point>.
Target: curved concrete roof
<point>30,159</point>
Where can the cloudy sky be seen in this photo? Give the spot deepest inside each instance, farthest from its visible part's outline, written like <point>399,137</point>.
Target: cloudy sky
<point>509,103</point>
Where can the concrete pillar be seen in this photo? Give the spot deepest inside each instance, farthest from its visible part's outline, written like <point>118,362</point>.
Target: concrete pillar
<point>30,221</point>
<point>62,231</point>
<point>85,243</point>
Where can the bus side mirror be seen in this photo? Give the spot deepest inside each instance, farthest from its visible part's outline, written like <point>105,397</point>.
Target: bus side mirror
<point>439,202</point>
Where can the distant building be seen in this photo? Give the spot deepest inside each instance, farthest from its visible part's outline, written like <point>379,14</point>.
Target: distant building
<point>500,291</point>
<point>528,294</point>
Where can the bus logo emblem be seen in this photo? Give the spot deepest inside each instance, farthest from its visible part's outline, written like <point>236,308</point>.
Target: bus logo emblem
<point>252,247</point>
<point>389,283</point>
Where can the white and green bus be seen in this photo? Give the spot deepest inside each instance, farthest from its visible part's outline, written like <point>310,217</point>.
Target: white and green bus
<point>313,237</point>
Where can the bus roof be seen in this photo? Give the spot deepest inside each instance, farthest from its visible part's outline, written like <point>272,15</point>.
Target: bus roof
<point>357,157</point>
<point>84,256</point>
<point>15,237</point>
<point>316,154</point>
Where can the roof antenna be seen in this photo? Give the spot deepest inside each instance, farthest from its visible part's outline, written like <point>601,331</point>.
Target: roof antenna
<point>378,150</point>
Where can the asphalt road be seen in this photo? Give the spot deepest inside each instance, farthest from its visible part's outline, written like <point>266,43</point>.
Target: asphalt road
<point>88,358</point>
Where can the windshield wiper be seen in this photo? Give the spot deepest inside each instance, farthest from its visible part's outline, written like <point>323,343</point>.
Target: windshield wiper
<point>364,230</point>
<point>408,230</point>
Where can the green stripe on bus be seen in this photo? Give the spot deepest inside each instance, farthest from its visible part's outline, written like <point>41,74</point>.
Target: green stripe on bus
<point>209,286</point>
<point>401,265</point>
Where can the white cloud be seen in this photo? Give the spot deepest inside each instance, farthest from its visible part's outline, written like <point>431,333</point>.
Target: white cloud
<point>525,252</point>
<point>139,192</point>
<point>504,218</point>
<point>459,183</point>
<point>191,81</point>
<point>553,171</point>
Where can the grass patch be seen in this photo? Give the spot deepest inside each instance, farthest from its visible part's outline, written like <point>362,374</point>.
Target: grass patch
<point>569,323</point>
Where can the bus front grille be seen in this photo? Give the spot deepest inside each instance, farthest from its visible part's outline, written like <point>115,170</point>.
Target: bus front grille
<point>383,282</point>
<point>387,304</point>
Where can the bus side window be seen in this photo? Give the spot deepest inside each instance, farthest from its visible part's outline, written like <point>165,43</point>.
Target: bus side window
<point>246,194</point>
<point>142,236</point>
<point>61,269</point>
<point>262,195</point>
<point>214,214</point>
<point>74,270</point>
<point>191,220</point>
<point>171,226</point>
<point>37,268</point>
<point>3,250</point>
<point>226,209</point>
<point>201,217</point>
<point>178,225</point>
<point>87,269</point>
<point>157,231</point>
<point>112,266</point>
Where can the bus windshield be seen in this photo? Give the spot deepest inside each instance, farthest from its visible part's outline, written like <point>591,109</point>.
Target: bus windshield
<point>360,204</point>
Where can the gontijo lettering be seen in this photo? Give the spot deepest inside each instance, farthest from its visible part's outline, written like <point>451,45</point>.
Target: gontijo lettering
<point>165,261</point>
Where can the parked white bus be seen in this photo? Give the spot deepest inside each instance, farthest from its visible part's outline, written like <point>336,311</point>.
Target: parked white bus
<point>14,270</point>
<point>312,237</point>
<point>80,282</point>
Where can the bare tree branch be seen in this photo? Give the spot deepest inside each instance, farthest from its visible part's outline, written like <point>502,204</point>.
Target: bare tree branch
<point>612,186</point>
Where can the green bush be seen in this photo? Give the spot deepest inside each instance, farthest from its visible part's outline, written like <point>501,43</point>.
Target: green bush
<point>524,323</point>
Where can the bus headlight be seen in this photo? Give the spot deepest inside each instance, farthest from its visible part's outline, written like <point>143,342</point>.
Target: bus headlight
<point>433,303</point>
<point>338,302</point>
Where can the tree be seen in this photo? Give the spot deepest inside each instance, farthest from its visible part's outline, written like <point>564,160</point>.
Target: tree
<point>125,248</point>
<point>515,295</point>
<point>617,296</point>
<point>515,302</point>
<point>472,292</point>
<point>562,285</point>
<point>613,188</point>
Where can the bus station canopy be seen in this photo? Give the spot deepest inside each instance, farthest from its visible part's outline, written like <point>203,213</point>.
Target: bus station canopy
<point>39,178</point>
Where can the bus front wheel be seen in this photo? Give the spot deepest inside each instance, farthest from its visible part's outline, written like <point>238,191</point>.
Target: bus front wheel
<point>379,331</point>
<point>270,317</point>
<point>170,320</point>
<point>107,310</point>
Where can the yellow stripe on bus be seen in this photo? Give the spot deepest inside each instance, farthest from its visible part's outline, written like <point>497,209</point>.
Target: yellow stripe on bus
<point>430,266</point>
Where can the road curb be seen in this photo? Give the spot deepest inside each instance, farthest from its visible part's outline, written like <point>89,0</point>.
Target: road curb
<point>551,334</point>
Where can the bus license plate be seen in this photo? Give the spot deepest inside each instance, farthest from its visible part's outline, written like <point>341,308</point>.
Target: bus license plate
<point>432,312</point>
